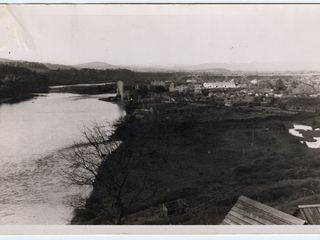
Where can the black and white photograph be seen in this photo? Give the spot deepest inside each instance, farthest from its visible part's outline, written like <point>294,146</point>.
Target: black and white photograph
<point>160,114</point>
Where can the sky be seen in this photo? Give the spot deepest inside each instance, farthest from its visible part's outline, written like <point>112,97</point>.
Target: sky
<point>149,35</point>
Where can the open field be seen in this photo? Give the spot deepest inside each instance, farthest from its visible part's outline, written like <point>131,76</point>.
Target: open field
<point>210,156</point>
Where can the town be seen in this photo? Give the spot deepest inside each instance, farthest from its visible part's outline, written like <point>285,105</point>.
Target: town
<point>282,93</point>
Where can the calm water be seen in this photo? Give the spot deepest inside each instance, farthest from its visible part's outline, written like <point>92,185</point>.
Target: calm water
<point>31,133</point>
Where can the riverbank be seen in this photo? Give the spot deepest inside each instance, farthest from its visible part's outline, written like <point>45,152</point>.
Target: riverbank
<point>208,156</point>
<point>17,99</point>
<point>93,89</point>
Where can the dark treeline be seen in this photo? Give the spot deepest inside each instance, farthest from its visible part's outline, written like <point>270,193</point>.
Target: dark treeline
<point>39,67</point>
<point>16,82</point>
<point>89,76</point>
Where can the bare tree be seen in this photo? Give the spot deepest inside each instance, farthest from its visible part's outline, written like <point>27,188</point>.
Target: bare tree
<point>121,180</point>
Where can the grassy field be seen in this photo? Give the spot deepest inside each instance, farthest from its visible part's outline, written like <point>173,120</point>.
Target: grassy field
<point>209,156</point>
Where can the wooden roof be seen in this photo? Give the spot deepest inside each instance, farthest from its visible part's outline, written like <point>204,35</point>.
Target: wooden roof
<point>311,213</point>
<point>250,212</point>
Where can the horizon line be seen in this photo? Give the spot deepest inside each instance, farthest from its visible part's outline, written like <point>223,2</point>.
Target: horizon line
<point>172,65</point>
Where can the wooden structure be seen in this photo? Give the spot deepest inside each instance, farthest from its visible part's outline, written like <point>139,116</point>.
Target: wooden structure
<point>250,212</point>
<point>311,213</point>
<point>177,206</point>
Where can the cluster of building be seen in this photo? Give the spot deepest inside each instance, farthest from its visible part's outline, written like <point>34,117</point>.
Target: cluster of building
<point>262,91</point>
<point>192,84</point>
<point>227,92</point>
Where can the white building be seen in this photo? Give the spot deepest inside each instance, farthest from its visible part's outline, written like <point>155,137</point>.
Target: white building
<point>229,84</point>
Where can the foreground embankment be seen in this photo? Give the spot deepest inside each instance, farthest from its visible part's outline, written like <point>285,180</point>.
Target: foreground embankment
<point>208,157</point>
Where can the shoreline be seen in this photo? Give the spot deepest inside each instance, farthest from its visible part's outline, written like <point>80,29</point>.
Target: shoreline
<point>18,99</point>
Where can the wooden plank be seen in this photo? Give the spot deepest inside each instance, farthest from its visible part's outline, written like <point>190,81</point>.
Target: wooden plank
<point>272,211</point>
<point>264,207</point>
<point>229,221</point>
<point>315,215</point>
<point>306,215</point>
<point>224,223</point>
<point>257,212</point>
<point>256,216</point>
<point>308,206</point>
<point>312,215</point>
<point>237,220</point>
<point>262,214</point>
<point>249,220</point>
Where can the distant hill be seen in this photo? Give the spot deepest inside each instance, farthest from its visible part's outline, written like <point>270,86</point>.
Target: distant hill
<point>96,65</point>
<point>207,67</point>
<point>147,68</point>
<point>57,66</point>
<point>4,60</point>
<point>216,68</point>
<point>226,68</point>
<point>177,68</point>
<point>103,66</point>
<point>34,66</point>
<point>256,66</point>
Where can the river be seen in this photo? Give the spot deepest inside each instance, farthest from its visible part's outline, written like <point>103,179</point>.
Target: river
<point>32,133</point>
